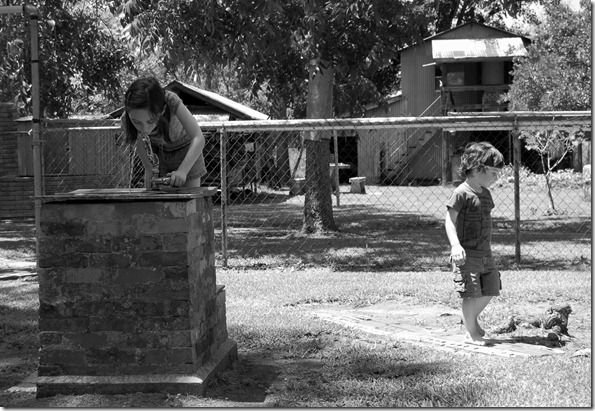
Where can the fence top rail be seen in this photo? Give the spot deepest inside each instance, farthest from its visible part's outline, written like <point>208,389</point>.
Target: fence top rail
<point>498,120</point>
<point>67,121</point>
<point>74,128</point>
<point>457,122</point>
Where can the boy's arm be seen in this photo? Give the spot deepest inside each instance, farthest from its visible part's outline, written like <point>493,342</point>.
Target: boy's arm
<point>457,252</point>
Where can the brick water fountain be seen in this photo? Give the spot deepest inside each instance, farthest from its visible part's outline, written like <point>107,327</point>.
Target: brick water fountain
<point>127,293</point>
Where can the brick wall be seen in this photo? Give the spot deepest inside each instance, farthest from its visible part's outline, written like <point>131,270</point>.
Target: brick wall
<point>15,191</point>
<point>8,140</point>
<point>73,158</point>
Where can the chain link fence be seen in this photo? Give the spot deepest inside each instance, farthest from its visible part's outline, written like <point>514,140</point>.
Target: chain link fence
<point>389,179</point>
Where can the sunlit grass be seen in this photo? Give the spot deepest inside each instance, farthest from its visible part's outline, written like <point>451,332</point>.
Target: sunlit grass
<point>271,312</point>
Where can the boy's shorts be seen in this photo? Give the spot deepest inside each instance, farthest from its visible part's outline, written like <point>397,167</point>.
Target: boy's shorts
<point>477,277</point>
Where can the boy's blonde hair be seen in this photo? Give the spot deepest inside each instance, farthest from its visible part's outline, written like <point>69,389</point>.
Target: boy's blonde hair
<point>478,156</point>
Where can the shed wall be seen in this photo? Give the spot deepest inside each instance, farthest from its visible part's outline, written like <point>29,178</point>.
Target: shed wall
<point>418,81</point>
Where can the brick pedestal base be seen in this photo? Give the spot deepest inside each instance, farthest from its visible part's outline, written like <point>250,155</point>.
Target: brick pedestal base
<point>128,299</point>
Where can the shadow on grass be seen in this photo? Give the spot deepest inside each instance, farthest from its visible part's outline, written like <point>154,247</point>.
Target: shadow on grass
<point>248,380</point>
<point>20,244</point>
<point>19,327</point>
<point>283,377</point>
<point>378,238</point>
<point>341,251</point>
<point>17,238</point>
<point>372,237</point>
<point>417,378</point>
<point>262,235</point>
<point>312,366</point>
<point>532,340</point>
<point>577,229</point>
<point>556,244</point>
<point>18,331</point>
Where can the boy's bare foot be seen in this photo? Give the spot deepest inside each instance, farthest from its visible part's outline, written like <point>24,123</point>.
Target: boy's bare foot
<point>475,341</point>
<point>480,330</point>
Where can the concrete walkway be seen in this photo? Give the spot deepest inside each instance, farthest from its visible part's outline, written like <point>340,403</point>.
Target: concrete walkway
<point>435,326</point>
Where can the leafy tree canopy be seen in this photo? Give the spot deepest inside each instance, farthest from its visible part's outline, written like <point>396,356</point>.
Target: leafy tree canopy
<point>556,73</point>
<point>446,14</point>
<point>256,48</point>
<point>81,58</point>
<point>270,43</point>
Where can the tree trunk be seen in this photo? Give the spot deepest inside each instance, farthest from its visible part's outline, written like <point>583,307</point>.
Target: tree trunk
<point>577,157</point>
<point>548,185</point>
<point>318,206</point>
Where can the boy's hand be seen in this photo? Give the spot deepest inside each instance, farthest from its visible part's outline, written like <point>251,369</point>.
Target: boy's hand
<point>457,254</point>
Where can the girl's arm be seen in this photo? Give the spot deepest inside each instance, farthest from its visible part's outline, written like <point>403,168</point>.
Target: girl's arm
<point>144,158</point>
<point>457,252</point>
<point>178,177</point>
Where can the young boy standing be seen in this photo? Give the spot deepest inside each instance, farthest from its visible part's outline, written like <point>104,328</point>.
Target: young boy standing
<point>468,226</point>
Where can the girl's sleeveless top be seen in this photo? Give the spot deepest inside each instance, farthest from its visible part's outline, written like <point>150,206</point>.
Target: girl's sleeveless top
<point>178,138</point>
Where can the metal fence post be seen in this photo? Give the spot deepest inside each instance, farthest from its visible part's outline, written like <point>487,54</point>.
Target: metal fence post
<point>33,14</point>
<point>445,160</point>
<point>224,194</point>
<point>516,141</point>
<point>336,173</point>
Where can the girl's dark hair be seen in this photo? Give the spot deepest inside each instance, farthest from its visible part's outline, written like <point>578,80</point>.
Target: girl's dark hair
<point>146,93</point>
<point>478,156</point>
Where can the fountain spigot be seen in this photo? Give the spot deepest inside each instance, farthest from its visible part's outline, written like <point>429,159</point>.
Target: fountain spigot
<point>157,181</point>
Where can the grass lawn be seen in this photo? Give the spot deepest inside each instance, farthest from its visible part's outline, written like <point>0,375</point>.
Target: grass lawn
<point>288,357</point>
<point>401,228</point>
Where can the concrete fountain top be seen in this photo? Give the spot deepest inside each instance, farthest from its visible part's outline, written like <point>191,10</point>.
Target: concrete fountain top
<point>127,194</point>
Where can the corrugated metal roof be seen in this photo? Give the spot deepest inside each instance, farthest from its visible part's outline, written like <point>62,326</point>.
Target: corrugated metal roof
<point>469,26</point>
<point>473,24</point>
<point>232,108</point>
<point>239,110</point>
<point>458,49</point>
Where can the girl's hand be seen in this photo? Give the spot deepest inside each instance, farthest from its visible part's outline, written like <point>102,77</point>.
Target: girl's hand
<point>177,178</point>
<point>457,254</point>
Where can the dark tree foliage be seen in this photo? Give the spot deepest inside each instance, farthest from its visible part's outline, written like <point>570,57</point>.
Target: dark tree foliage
<point>446,14</point>
<point>270,43</point>
<point>81,58</point>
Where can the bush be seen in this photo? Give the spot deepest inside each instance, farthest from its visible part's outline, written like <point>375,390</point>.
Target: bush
<point>560,178</point>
